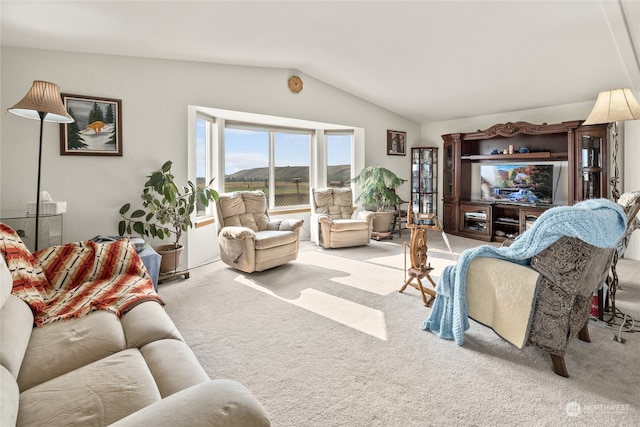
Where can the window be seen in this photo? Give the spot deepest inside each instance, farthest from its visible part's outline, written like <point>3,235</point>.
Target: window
<point>203,138</point>
<point>275,161</point>
<point>284,157</point>
<point>339,158</point>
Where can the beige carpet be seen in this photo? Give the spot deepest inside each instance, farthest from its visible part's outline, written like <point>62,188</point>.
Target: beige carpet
<point>328,340</point>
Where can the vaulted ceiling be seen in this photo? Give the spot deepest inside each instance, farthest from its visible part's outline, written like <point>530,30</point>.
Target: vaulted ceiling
<point>425,60</point>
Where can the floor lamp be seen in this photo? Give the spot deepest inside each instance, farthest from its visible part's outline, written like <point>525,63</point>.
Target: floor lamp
<point>42,102</point>
<point>613,106</point>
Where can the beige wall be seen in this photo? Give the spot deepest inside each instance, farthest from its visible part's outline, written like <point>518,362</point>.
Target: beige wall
<point>155,96</point>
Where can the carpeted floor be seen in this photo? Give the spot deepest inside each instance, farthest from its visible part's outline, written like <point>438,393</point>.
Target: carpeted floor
<point>328,340</point>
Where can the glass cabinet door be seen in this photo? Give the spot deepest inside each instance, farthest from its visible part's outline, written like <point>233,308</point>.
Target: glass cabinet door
<point>591,176</point>
<point>424,184</point>
<point>448,171</point>
<point>591,167</point>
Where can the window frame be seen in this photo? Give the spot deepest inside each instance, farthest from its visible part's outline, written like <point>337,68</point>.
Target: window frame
<point>317,156</point>
<point>210,124</point>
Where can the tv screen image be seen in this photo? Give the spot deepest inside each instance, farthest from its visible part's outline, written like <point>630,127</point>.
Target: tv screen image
<point>517,183</point>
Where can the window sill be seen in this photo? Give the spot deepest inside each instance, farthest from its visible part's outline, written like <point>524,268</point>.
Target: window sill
<point>287,211</point>
<point>205,221</point>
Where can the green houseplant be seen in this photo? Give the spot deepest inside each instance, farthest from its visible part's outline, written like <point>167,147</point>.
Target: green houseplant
<point>166,212</point>
<point>378,192</point>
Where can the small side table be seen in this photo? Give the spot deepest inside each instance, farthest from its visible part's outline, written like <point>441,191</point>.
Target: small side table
<point>50,226</point>
<point>420,268</point>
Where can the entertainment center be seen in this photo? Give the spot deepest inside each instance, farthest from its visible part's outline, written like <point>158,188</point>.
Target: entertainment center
<point>530,161</point>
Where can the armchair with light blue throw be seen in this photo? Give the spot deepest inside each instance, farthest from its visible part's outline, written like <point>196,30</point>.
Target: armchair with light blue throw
<point>538,289</point>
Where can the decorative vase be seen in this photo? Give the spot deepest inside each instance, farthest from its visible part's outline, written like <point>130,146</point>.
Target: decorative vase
<point>170,257</point>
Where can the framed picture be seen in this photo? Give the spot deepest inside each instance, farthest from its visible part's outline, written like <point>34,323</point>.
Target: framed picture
<point>97,130</point>
<point>396,143</point>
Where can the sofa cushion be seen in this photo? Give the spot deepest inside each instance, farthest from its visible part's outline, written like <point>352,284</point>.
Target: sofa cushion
<point>16,324</point>
<point>96,394</point>
<point>148,322</point>
<point>29,282</point>
<point>335,202</point>
<point>214,403</point>
<point>67,345</point>
<point>9,398</point>
<point>173,366</point>
<point>271,239</point>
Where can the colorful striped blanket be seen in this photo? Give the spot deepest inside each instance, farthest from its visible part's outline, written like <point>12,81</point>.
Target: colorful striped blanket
<point>71,280</point>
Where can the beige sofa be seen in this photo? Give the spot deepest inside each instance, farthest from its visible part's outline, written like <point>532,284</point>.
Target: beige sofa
<point>99,369</point>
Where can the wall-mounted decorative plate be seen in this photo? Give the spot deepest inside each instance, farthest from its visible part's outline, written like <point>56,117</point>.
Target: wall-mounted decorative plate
<point>295,84</point>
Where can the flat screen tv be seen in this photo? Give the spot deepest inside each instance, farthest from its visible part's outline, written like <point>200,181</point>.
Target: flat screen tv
<point>517,183</point>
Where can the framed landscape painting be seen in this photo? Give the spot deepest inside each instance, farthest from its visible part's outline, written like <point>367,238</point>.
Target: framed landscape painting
<point>396,143</point>
<point>97,130</point>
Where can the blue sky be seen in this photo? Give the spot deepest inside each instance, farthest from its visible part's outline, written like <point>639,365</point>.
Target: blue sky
<point>247,149</point>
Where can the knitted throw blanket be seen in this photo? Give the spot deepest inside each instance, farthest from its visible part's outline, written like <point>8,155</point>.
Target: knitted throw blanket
<point>599,222</point>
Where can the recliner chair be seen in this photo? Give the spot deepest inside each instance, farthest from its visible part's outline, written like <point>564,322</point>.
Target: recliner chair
<point>333,224</point>
<point>249,240</point>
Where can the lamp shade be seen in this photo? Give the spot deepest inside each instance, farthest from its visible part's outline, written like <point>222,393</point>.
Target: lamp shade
<point>43,97</point>
<point>614,106</point>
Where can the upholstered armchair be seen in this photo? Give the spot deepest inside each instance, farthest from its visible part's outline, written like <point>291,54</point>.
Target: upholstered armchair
<point>249,240</point>
<point>630,202</point>
<point>333,221</point>
<point>546,303</point>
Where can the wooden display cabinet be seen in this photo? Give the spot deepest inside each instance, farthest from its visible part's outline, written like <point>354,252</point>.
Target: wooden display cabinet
<point>424,181</point>
<point>583,148</point>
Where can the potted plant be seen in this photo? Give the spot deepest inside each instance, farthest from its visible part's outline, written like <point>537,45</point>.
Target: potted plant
<point>378,193</point>
<point>166,212</point>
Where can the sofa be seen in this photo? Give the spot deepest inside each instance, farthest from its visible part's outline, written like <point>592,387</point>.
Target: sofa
<point>249,239</point>
<point>126,366</point>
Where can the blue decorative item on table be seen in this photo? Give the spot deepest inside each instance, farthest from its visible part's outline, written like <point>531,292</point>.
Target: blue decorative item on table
<point>523,150</point>
<point>495,151</point>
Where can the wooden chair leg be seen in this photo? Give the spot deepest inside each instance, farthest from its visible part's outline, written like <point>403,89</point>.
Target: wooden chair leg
<point>559,366</point>
<point>583,334</point>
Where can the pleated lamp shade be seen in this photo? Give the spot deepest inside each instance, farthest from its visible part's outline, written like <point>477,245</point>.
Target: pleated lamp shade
<point>43,97</point>
<point>615,105</point>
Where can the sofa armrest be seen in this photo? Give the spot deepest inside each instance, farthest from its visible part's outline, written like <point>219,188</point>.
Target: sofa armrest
<point>238,233</point>
<point>366,215</point>
<point>290,224</point>
<point>573,265</point>
<point>220,403</point>
<point>324,219</point>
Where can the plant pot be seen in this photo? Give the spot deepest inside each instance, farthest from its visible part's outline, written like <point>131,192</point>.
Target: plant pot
<point>170,257</point>
<point>382,221</point>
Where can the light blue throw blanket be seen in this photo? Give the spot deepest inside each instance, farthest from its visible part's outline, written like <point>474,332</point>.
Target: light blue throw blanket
<point>599,222</point>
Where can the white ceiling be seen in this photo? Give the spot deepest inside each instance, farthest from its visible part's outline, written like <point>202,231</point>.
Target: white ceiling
<point>425,60</point>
